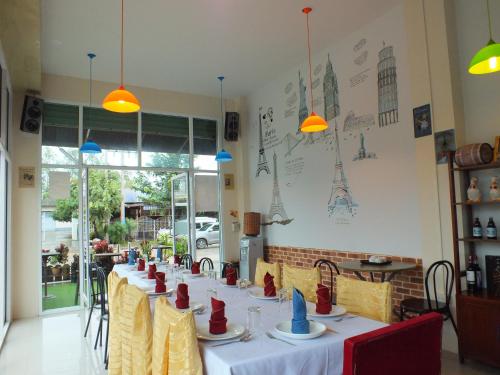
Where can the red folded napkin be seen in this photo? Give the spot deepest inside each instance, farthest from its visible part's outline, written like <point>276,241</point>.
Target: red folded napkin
<point>182,301</point>
<point>230,276</point>
<point>160,282</point>
<point>217,322</point>
<point>269,288</point>
<point>195,268</point>
<point>324,305</point>
<point>142,265</point>
<point>151,271</point>
<point>177,259</point>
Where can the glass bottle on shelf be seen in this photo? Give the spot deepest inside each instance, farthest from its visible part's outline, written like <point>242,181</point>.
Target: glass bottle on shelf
<point>477,229</point>
<point>478,278</point>
<point>471,276</point>
<point>491,230</point>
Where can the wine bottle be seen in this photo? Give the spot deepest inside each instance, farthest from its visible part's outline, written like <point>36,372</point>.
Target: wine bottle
<point>478,278</point>
<point>491,230</point>
<point>477,229</point>
<point>471,276</point>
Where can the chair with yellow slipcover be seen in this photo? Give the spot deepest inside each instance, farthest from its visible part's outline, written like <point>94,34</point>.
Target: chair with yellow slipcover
<point>304,279</point>
<point>115,292</point>
<point>175,346</point>
<point>136,331</point>
<point>365,298</point>
<point>272,268</point>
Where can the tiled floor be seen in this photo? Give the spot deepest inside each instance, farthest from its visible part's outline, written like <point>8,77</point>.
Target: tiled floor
<point>54,346</point>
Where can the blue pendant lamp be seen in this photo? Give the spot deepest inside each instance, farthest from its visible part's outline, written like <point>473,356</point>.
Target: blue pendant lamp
<point>222,156</point>
<point>90,147</point>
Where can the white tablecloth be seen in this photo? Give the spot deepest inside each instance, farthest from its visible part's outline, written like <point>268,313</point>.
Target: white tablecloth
<point>262,355</point>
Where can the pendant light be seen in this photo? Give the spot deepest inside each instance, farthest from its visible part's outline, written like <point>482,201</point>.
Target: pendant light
<point>222,156</point>
<point>90,147</point>
<point>121,100</point>
<point>487,59</point>
<point>314,123</point>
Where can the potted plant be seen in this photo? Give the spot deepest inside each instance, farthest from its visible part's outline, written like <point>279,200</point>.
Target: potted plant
<point>74,268</point>
<point>63,251</point>
<point>65,269</point>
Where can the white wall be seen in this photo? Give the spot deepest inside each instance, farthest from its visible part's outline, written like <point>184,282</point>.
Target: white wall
<point>383,187</point>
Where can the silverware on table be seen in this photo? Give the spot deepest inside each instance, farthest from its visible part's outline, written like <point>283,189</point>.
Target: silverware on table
<point>200,311</point>
<point>244,338</point>
<point>345,317</point>
<point>271,336</point>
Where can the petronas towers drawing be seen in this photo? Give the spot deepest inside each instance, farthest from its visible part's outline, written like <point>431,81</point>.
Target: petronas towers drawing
<point>330,92</point>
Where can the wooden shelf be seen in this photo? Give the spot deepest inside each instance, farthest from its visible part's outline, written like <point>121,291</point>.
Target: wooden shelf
<point>482,295</point>
<point>482,203</point>
<point>478,167</point>
<point>470,239</point>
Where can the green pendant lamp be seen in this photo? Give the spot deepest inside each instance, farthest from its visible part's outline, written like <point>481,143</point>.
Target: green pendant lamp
<point>487,59</point>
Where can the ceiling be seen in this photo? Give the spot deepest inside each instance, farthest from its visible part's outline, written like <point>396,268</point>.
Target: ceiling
<point>184,45</point>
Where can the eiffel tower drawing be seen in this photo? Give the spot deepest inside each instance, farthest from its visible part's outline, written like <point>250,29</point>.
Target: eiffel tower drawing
<point>262,164</point>
<point>291,142</point>
<point>340,198</point>
<point>277,208</point>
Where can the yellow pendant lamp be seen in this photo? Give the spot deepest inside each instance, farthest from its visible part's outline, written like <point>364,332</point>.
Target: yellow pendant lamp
<point>487,59</point>
<point>313,123</point>
<point>121,100</point>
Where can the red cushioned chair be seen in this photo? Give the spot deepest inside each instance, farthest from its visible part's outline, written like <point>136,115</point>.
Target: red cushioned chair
<point>412,347</point>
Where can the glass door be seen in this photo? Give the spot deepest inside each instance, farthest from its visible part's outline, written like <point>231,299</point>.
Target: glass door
<point>86,253</point>
<point>181,224</point>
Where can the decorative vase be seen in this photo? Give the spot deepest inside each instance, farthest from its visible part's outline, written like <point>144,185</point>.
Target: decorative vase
<point>494,191</point>
<point>473,193</point>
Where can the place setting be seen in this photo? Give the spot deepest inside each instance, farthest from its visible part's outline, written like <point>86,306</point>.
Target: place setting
<point>266,293</point>
<point>183,302</point>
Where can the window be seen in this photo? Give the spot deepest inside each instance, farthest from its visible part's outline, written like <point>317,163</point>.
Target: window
<point>60,134</point>
<point>204,144</point>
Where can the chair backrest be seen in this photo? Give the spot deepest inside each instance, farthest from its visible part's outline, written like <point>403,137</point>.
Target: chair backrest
<point>187,261</point>
<point>102,289</point>
<point>226,265</point>
<point>449,278</point>
<point>304,279</point>
<point>331,267</point>
<point>365,298</point>
<point>175,346</point>
<point>206,261</point>
<point>136,331</point>
<point>115,295</point>
<point>262,268</point>
<point>412,347</point>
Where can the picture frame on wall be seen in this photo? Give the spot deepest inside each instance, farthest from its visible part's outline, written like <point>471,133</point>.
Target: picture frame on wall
<point>493,274</point>
<point>444,142</point>
<point>27,177</point>
<point>422,122</point>
<point>228,181</point>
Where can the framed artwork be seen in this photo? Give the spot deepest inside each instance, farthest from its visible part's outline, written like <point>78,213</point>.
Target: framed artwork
<point>26,177</point>
<point>496,150</point>
<point>444,142</point>
<point>493,274</point>
<point>228,181</point>
<point>422,122</point>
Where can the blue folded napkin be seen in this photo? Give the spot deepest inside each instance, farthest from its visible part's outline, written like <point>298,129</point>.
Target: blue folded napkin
<point>159,254</point>
<point>131,257</point>
<point>300,324</point>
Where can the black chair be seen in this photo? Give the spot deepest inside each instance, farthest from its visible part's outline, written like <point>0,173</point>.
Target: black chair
<point>94,297</point>
<point>102,292</point>
<point>422,306</point>
<point>331,266</point>
<point>187,261</point>
<point>206,261</point>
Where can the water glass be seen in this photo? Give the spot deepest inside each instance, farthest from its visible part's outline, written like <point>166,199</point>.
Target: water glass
<point>284,302</point>
<point>254,323</point>
<point>211,293</point>
<point>243,283</point>
<point>212,277</point>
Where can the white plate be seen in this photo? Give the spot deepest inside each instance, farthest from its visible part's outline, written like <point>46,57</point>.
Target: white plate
<point>316,329</point>
<point>233,331</point>
<point>336,311</point>
<point>224,282</point>
<point>193,306</point>
<point>259,294</point>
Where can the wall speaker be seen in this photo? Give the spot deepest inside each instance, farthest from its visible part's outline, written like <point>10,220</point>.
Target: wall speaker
<point>232,126</point>
<point>32,114</point>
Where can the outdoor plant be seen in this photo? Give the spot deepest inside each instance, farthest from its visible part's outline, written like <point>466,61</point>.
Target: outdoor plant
<point>146,248</point>
<point>181,245</point>
<point>63,251</point>
<point>102,247</point>
<point>164,238</point>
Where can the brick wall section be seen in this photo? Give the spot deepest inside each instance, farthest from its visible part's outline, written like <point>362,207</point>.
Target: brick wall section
<point>406,284</point>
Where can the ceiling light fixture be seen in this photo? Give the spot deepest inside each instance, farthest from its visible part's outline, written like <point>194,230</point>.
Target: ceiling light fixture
<point>486,60</point>
<point>121,100</point>
<point>314,123</point>
<point>90,147</point>
<point>222,156</point>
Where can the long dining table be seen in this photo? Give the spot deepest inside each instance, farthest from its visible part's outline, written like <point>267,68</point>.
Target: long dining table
<point>261,355</point>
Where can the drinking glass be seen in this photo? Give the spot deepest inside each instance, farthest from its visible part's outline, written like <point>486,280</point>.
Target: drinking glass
<point>211,293</point>
<point>254,324</point>
<point>243,283</point>
<point>284,303</point>
<point>212,277</point>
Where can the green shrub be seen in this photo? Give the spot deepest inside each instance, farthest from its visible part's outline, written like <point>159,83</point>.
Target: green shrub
<point>117,232</point>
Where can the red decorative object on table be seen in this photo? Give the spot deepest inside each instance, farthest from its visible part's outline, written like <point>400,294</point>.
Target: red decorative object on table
<point>195,268</point>
<point>141,265</point>
<point>230,276</point>
<point>177,259</point>
<point>160,283</point>
<point>269,288</point>
<point>323,306</point>
<point>151,271</point>
<point>182,301</point>
<point>218,321</point>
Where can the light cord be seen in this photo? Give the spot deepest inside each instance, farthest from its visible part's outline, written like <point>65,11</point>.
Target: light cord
<point>489,17</point>
<point>121,55</point>
<point>310,65</point>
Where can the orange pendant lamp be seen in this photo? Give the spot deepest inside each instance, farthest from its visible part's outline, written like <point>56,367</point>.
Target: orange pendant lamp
<point>121,100</point>
<point>313,123</point>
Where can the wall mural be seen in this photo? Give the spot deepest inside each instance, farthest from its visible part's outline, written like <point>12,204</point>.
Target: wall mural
<point>277,209</point>
<point>262,163</point>
<point>387,87</point>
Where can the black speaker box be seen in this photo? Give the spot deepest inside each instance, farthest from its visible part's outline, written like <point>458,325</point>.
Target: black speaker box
<point>32,114</point>
<point>232,127</point>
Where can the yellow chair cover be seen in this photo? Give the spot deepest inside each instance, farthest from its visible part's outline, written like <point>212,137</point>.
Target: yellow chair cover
<point>272,268</point>
<point>136,332</point>
<point>175,347</point>
<point>368,299</point>
<point>304,279</point>
<point>115,292</point>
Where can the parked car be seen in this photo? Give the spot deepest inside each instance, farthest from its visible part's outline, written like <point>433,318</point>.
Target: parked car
<point>182,225</point>
<point>207,235</point>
